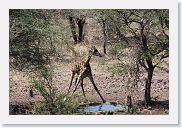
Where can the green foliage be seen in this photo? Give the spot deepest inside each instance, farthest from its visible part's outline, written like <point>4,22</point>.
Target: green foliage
<point>54,103</point>
<point>32,36</point>
<point>42,82</point>
<point>118,68</point>
<point>27,30</point>
<point>70,106</point>
<point>132,110</point>
<point>116,50</point>
<point>129,23</point>
<point>33,33</point>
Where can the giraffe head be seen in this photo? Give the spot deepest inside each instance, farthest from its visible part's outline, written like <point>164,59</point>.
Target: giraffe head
<point>93,51</point>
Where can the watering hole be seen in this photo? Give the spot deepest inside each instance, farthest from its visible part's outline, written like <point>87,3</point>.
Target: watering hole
<point>102,107</point>
<point>25,109</point>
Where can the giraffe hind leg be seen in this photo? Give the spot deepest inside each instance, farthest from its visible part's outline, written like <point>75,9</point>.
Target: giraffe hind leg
<point>95,87</point>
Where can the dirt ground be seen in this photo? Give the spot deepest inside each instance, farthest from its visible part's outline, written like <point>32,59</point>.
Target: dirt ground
<point>111,87</point>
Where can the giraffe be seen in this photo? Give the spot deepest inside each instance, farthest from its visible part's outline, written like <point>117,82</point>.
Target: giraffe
<point>84,70</point>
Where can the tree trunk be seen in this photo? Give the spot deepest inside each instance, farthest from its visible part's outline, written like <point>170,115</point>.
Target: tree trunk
<point>129,103</point>
<point>80,36</point>
<point>73,28</point>
<point>104,33</point>
<point>148,86</point>
<point>149,67</point>
<point>80,23</point>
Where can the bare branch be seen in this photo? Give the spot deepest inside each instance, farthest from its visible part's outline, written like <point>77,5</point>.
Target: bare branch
<point>167,36</point>
<point>141,62</point>
<point>133,31</point>
<point>161,60</point>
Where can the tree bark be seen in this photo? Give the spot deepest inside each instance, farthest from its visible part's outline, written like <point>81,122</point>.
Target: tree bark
<point>129,103</point>
<point>148,86</point>
<point>80,23</point>
<point>104,33</point>
<point>150,67</point>
<point>73,28</point>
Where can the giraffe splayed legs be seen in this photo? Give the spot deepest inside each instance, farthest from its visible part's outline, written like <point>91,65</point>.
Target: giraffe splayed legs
<point>84,70</point>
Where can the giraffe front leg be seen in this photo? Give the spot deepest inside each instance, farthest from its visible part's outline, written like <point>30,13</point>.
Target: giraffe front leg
<point>80,78</point>
<point>73,75</point>
<point>83,89</point>
<point>76,85</point>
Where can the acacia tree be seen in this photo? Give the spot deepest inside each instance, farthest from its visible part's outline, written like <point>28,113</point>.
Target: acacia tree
<point>101,17</point>
<point>33,36</point>
<point>152,36</point>
<point>149,30</point>
<point>27,29</point>
<point>110,21</point>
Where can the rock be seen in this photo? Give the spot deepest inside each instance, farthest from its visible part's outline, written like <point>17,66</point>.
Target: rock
<point>121,108</point>
<point>107,103</point>
<point>149,108</point>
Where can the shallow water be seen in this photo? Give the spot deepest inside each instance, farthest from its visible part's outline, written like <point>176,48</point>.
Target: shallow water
<point>103,107</point>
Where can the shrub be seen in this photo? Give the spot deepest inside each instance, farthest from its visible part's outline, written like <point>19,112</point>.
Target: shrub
<point>53,102</point>
<point>34,36</point>
<point>118,68</point>
<point>116,50</point>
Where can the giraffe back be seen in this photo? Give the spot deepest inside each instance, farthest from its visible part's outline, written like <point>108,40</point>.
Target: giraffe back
<point>84,55</point>
<point>81,53</point>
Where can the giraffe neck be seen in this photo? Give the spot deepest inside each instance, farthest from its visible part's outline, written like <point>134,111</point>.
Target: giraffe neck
<point>88,60</point>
